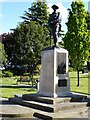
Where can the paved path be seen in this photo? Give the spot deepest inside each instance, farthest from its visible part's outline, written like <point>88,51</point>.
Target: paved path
<point>8,109</point>
<point>17,86</point>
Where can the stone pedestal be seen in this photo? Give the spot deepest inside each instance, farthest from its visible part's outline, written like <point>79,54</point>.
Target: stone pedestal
<point>54,79</point>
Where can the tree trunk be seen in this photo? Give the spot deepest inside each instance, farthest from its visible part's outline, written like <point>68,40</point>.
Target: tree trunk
<point>78,78</point>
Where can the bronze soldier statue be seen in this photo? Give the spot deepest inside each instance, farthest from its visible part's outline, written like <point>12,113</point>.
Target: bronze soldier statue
<point>54,25</point>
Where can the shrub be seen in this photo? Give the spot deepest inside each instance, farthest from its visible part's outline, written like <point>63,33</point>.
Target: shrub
<point>7,74</point>
<point>70,69</point>
<point>26,74</point>
<point>0,73</point>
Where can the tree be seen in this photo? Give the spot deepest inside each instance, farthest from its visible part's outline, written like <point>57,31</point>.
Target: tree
<point>30,40</point>
<point>3,56</point>
<point>88,20</point>
<point>37,13</point>
<point>88,28</point>
<point>24,45</point>
<point>88,24</point>
<point>36,37</point>
<point>76,40</point>
<point>8,41</point>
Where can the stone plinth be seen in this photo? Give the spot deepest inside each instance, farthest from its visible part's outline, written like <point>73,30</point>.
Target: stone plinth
<point>54,79</point>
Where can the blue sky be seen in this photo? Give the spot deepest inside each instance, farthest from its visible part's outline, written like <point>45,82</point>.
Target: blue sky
<point>10,12</point>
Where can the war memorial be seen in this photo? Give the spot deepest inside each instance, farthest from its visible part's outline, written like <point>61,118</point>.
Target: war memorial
<point>54,79</point>
<point>54,99</point>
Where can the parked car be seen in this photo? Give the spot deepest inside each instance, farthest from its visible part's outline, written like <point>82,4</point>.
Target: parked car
<point>2,68</point>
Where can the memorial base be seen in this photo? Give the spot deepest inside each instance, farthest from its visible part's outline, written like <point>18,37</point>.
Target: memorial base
<point>54,79</point>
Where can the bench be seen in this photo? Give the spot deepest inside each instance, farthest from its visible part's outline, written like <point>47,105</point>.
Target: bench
<point>27,79</point>
<point>23,79</point>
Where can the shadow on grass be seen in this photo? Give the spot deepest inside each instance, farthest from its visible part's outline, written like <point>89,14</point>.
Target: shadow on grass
<point>6,102</point>
<point>17,86</point>
<point>81,77</point>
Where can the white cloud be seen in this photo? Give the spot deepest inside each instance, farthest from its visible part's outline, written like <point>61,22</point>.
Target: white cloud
<point>89,6</point>
<point>63,11</point>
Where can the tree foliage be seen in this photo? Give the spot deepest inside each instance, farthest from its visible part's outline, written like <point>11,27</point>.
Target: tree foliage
<point>30,40</point>
<point>3,56</point>
<point>76,40</point>
<point>8,41</point>
<point>25,44</point>
<point>88,26</point>
<point>37,13</point>
<point>88,20</point>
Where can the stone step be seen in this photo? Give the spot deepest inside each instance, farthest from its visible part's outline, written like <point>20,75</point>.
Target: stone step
<point>13,110</point>
<point>18,118</point>
<point>69,106</point>
<point>78,97</point>
<point>48,107</point>
<point>32,104</point>
<point>42,99</point>
<point>42,116</point>
<point>39,115</point>
<point>9,111</point>
<point>50,100</point>
<point>64,115</point>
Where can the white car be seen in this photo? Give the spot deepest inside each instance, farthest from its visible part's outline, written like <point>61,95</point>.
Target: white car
<point>2,68</point>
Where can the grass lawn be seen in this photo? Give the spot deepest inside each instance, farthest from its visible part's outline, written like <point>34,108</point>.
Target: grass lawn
<point>10,92</point>
<point>7,92</point>
<point>84,83</point>
<point>8,80</point>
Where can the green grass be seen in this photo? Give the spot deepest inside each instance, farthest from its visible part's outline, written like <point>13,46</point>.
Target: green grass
<point>12,80</point>
<point>8,80</point>
<point>10,92</point>
<point>7,92</point>
<point>84,83</point>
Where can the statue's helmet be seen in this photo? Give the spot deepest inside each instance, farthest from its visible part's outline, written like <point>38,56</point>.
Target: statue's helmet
<point>55,7</point>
